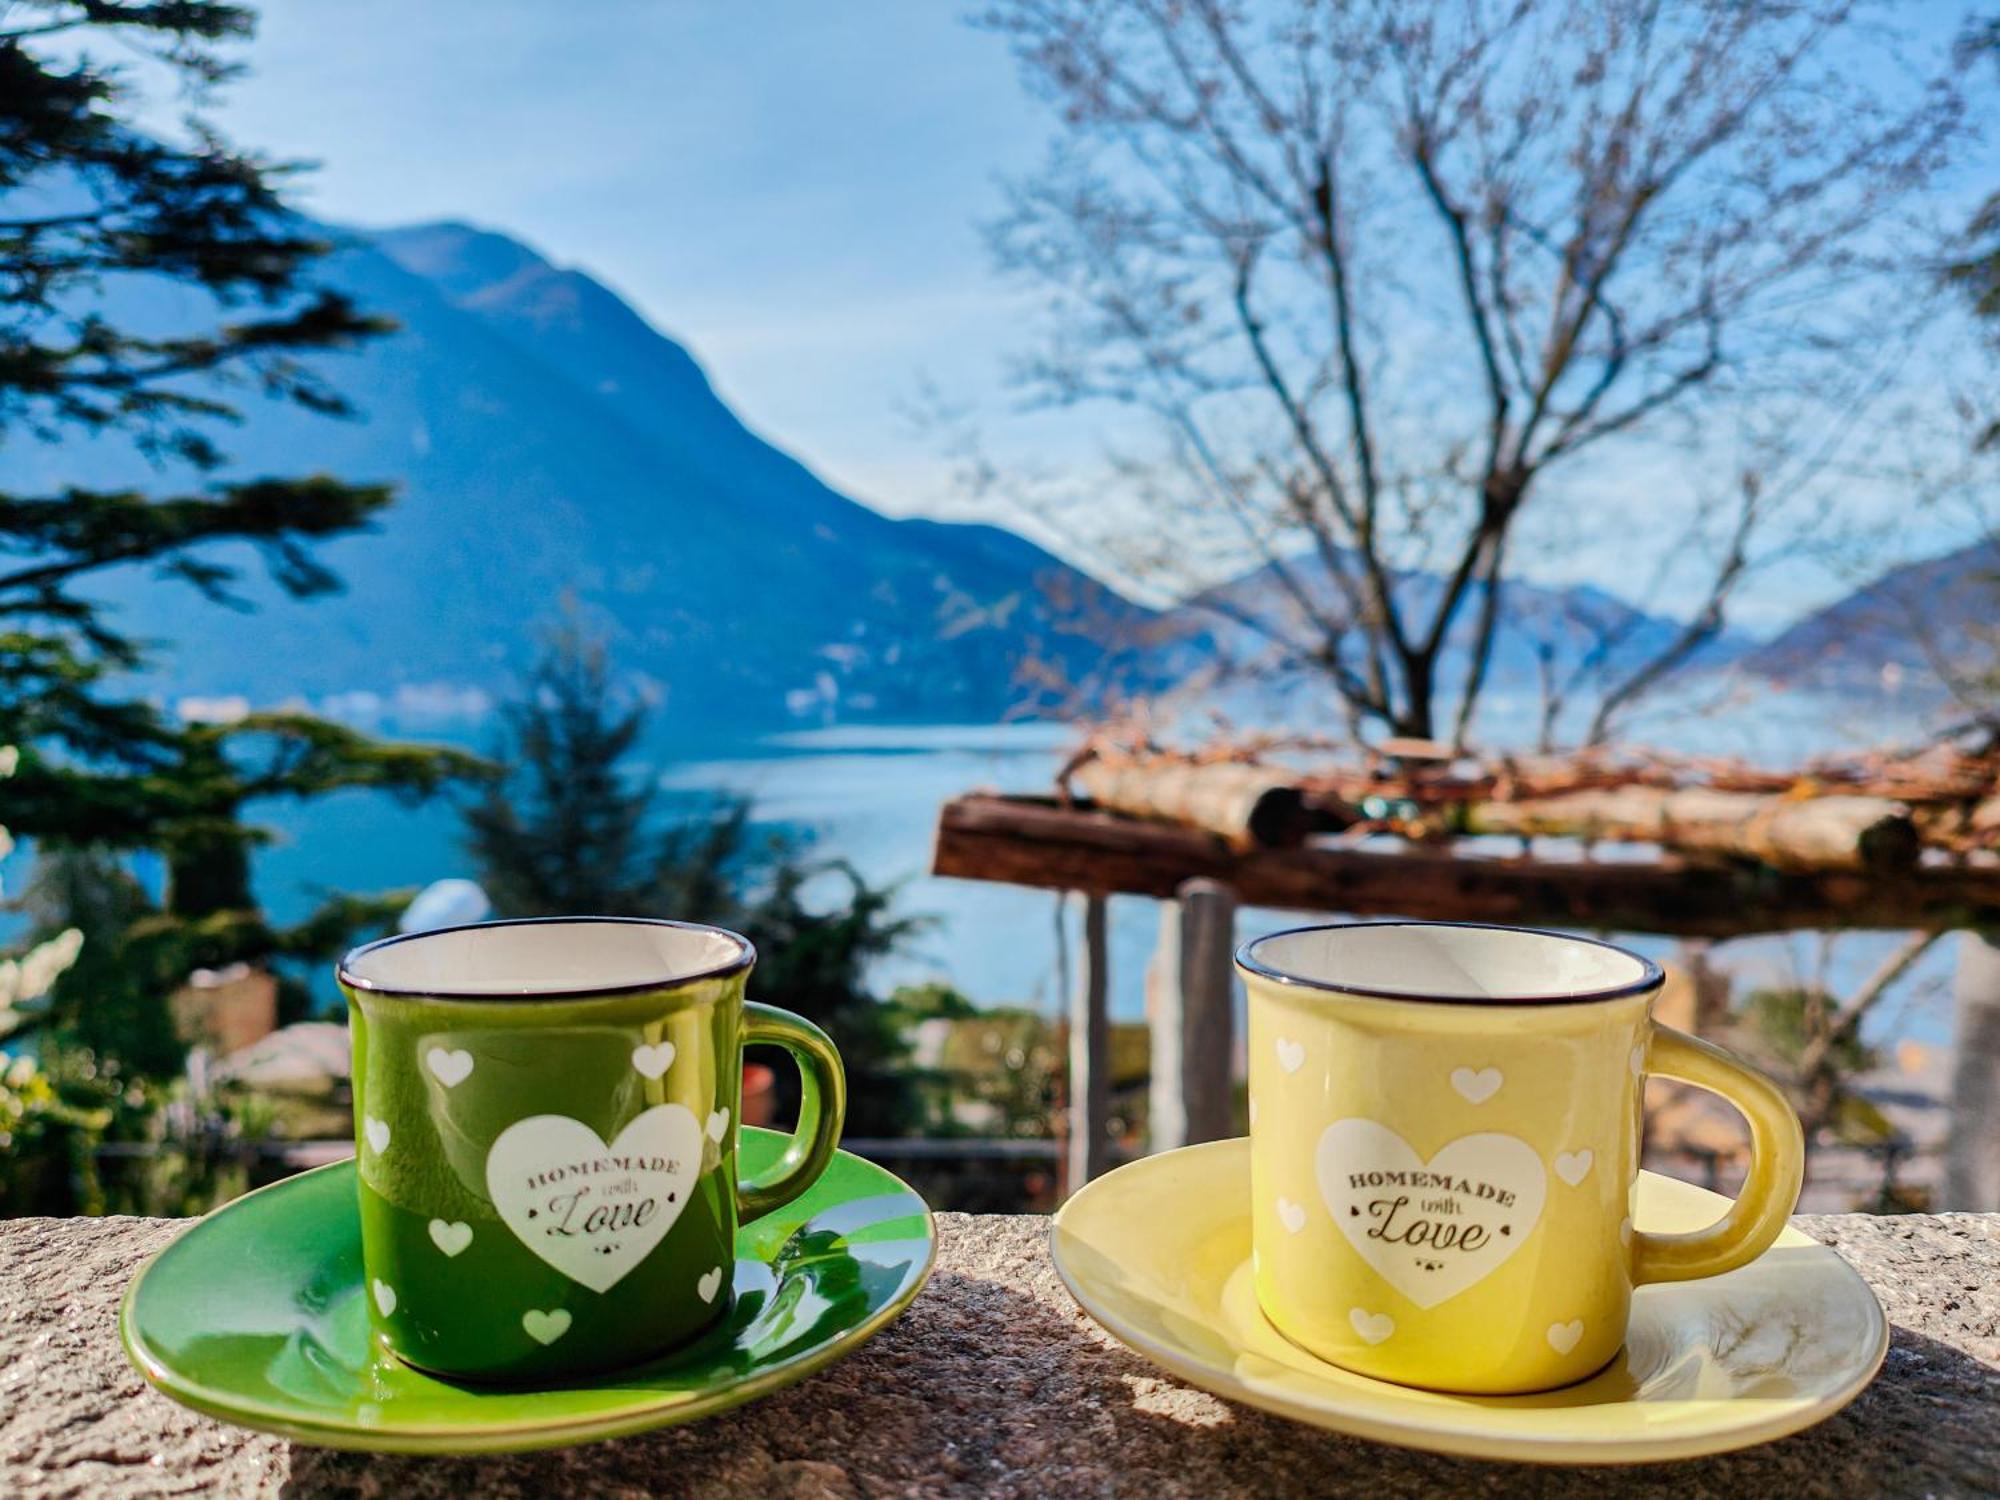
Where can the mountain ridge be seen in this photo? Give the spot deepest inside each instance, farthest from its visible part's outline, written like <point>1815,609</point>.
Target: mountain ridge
<point>1903,630</point>
<point>1576,625</point>
<point>548,443</point>
<point>553,449</point>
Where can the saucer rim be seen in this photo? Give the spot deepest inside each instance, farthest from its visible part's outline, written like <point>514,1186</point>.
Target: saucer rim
<point>474,1437</point>
<point>1482,1442</point>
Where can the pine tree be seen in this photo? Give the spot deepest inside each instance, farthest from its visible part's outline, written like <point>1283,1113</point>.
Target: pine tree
<point>572,831</point>
<point>89,203</point>
<point>566,833</point>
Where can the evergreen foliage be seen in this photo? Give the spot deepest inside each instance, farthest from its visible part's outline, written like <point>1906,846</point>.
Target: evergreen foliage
<point>566,833</point>
<point>572,830</point>
<point>89,206</point>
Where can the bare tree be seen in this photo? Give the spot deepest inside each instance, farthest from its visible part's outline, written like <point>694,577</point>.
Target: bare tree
<point>1391,276</point>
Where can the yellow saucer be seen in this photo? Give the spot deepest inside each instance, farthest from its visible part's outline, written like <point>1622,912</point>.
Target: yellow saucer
<point>1159,1253</point>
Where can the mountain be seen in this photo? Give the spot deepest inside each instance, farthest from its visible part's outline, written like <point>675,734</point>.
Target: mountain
<point>549,445</point>
<point>1562,629</point>
<point>1898,633</point>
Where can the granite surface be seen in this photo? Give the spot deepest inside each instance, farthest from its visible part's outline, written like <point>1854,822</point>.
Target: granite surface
<point>992,1384</point>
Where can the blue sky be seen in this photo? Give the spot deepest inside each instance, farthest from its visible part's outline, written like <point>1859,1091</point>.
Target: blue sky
<point>790,187</point>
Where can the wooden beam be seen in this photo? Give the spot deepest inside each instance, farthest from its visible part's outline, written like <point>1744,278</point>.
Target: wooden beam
<point>1800,834</point>
<point>1090,1052</point>
<point>1251,804</point>
<point>1036,842</point>
<point>1247,805</point>
<point>1191,1012</point>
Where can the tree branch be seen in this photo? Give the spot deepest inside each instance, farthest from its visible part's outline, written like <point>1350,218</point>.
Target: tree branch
<point>1468,284</point>
<point>1492,579</point>
<point>1705,625</point>
<point>1381,586</point>
<point>1845,1025</point>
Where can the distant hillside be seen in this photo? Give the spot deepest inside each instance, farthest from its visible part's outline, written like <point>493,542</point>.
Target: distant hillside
<point>1898,632</point>
<point>1564,627</point>
<point>548,443</point>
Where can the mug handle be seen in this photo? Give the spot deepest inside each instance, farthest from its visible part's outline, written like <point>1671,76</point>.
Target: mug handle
<point>822,1107</point>
<point>1777,1164</point>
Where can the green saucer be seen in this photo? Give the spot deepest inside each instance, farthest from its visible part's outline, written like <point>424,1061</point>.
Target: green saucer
<point>255,1315</point>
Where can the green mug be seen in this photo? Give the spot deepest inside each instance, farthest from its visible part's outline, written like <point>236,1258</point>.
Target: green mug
<point>545,1125</point>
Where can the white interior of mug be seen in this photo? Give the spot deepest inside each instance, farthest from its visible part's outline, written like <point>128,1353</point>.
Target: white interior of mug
<point>565,956</point>
<point>1448,961</point>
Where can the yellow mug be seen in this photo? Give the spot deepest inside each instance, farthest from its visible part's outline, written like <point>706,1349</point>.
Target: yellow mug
<point>1444,1148</point>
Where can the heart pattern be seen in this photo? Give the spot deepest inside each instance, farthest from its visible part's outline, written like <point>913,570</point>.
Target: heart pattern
<point>1563,1336</point>
<point>1291,1215</point>
<point>450,1238</point>
<point>709,1284</point>
<point>718,1126</point>
<point>1371,1328</point>
<point>545,1327</point>
<point>377,1132</point>
<point>653,1061</point>
<point>1387,1201</point>
<point>385,1297</point>
<point>450,1068</point>
<point>1573,1166</point>
<point>1476,1087</point>
<point>591,1210</point>
<point>1291,1054</point>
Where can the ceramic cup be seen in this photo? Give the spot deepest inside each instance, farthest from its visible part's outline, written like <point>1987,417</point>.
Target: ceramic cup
<point>545,1117</point>
<point>1445,1132</point>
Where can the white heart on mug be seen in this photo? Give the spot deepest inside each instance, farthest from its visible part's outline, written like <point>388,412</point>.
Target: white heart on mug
<point>1291,1215</point>
<point>1477,1087</point>
<point>449,1068</point>
<point>1371,1328</point>
<point>1563,1337</point>
<point>718,1126</point>
<point>385,1297</point>
<point>1291,1054</point>
<point>591,1210</point>
<point>654,1060</point>
<point>377,1132</point>
<point>1573,1166</point>
<point>1430,1228</point>
<point>709,1283</point>
<point>545,1327</point>
<point>450,1238</point>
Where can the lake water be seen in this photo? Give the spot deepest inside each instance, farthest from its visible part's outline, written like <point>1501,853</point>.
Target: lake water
<point>870,795</point>
<point>867,796</point>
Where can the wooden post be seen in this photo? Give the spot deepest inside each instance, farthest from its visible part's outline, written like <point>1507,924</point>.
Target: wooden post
<point>1972,1154</point>
<point>1090,1052</point>
<point>1193,1015</point>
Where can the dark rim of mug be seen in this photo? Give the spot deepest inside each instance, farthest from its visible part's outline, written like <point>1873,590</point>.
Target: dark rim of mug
<point>746,956</point>
<point>1651,975</point>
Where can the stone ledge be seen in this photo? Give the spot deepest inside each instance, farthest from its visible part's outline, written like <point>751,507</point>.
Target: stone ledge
<point>994,1383</point>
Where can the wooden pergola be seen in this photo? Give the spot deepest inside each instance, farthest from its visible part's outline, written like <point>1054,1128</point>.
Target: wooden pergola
<point>1069,845</point>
